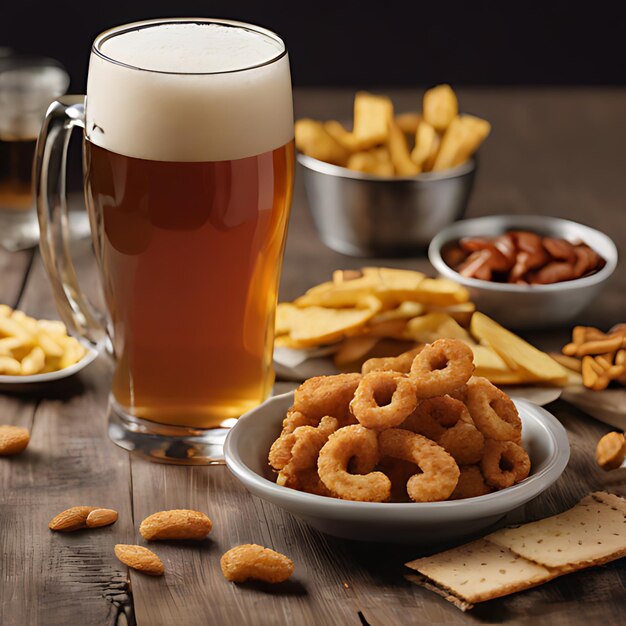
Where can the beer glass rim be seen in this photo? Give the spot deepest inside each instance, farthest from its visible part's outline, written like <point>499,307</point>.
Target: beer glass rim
<point>132,26</point>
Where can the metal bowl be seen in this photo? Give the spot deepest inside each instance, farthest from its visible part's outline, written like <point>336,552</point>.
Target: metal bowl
<point>364,215</point>
<point>528,306</point>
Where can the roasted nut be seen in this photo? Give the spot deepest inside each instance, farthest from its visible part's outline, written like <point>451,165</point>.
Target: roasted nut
<point>611,451</point>
<point>13,439</point>
<point>560,249</point>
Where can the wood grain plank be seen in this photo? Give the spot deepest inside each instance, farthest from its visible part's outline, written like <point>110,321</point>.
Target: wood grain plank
<point>14,268</point>
<point>57,578</point>
<point>193,590</point>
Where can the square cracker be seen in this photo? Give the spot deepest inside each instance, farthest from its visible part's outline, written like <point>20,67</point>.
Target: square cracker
<point>481,570</point>
<point>591,533</point>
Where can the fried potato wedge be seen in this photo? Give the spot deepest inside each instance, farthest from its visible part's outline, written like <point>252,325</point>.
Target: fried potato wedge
<point>440,107</point>
<point>371,116</point>
<point>408,122</point>
<point>461,140</point>
<point>425,141</point>
<point>343,137</point>
<point>314,141</point>
<point>399,151</point>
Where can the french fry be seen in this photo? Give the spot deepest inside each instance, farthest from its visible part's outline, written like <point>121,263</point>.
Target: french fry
<point>425,138</point>
<point>477,132</point>
<point>343,137</point>
<point>434,151</point>
<point>408,122</point>
<point>440,107</point>
<point>460,141</point>
<point>365,162</point>
<point>399,151</point>
<point>371,116</point>
<point>313,140</point>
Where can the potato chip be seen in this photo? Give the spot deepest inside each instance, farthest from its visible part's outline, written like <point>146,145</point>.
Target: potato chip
<point>515,350</point>
<point>393,329</point>
<point>406,310</point>
<point>440,292</point>
<point>354,348</point>
<point>318,325</point>
<point>313,140</point>
<point>440,107</point>
<point>371,116</point>
<point>399,151</point>
<point>432,326</point>
<point>461,313</point>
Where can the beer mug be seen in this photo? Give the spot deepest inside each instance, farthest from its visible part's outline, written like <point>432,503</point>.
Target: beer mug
<point>188,169</point>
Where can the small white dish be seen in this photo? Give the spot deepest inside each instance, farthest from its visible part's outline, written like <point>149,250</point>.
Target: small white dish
<point>18,383</point>
<point>427,523</point>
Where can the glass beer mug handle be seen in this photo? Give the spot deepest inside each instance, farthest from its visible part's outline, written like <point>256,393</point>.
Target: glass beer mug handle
<point>77,312</point>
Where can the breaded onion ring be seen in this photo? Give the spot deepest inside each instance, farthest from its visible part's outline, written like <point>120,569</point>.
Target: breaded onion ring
<point>353,443</point>
<point>383,400</point>
<point>293,419</point>
<point>440,472</point>
<point>301,450</point>
<point>401,363</point>
<point>447,422</point>
<point>504,463</point>
<point>493,411</point>
<point>471,484</point>
<point>398,471</point>
<point>442,367</point>
<point>327,395</point>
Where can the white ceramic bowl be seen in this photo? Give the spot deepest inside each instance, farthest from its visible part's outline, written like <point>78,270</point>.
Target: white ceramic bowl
<point>28,383</point>
<point>528,306</point>
<point>248,443</point>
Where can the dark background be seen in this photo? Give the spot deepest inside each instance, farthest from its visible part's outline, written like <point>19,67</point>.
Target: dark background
<point>368,44</point>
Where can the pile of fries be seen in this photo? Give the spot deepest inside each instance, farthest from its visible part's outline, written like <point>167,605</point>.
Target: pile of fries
<point>29,346</point>
<point>383,312</point>
<point>385,144</point>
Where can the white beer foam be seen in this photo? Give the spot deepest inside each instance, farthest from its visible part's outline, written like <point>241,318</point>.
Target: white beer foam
<point>150,111</point>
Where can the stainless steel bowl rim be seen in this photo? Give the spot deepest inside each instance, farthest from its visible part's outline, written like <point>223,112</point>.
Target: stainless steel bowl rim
<point>455,231</point>
<point>554,466</point>
<point>343,172</point>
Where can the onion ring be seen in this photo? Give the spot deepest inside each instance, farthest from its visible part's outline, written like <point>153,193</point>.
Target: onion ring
<point>440,472</point>
<point>471,484</point>
<point>295,454</point>
<point>504,463</point>
<point>293,419</point>
<point>493,411</point>
<point>383,400</point>
<point>398,471</point>
<point>401,363</point>
<point>327,395</point>
<point>447,422</point>
<point>442,367</point>
<point>332,466</point>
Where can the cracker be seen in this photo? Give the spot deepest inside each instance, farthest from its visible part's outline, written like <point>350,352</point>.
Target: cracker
<point>481,570</point>
<point>591,533</point>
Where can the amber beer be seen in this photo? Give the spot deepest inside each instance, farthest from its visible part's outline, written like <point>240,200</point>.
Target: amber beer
<point>188,175</point>
<point>190,255</point>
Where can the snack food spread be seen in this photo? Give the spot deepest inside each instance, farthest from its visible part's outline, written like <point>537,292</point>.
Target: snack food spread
<point>426,431</point>
<point>522,258</point>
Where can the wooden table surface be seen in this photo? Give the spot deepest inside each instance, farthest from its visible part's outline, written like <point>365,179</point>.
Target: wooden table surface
<point>553,152</point>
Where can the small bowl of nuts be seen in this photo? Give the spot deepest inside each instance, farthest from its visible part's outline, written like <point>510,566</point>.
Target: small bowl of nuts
<point>526,271</point>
